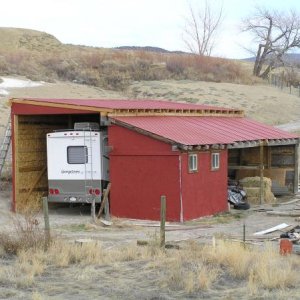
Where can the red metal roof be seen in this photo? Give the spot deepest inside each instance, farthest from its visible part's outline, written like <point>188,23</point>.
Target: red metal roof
<point>127,104</point>
<point>206,130</point>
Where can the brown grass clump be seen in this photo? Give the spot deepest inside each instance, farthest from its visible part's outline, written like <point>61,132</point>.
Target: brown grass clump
<point>63,254</point>
<point>190,277</point>
<point>264,269</point>
<point>273,271</point>
<point>26,235</point>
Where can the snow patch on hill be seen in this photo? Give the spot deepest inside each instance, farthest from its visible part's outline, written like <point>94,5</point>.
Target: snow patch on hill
<point>8,83</point>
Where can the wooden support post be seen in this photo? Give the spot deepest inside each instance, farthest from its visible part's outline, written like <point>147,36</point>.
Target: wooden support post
<point>47,223</point>
<point>106,211</point>
<point>296,169</point>
<point>244,234</point>
<point>162,221</point>
<point>93,210</point>
<point>15,160</point>
<point>105,198</point>
<point>261,168</point>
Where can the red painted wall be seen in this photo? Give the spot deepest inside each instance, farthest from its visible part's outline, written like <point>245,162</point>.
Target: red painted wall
<point>141,170</point>
<point>129,142</point>
<point>204,192</point>
<point>27,109</point>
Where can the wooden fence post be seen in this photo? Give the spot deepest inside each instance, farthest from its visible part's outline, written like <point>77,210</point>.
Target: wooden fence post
<point>162,221</point>
<point>244,234</point>
<point>47,223</point>
<point>93,210</point>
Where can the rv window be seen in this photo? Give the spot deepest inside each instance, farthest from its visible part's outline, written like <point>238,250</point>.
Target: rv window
<point>77,155</point>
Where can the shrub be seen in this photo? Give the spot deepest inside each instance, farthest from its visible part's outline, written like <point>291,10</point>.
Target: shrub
<point>115,69</point>
<point>26,235</point>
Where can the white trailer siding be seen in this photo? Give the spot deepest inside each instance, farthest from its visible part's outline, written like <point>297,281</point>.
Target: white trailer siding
<point>61,166</point>
<point>77,166</point>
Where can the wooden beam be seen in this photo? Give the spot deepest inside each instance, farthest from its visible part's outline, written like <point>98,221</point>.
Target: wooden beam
<point>104,200</point>
<point>61,105</point>
<point>282,142</point>
<point>15,158</point>
<point>167,113</point>
<point>175,148</point>
<point>241,145</point>
<point>296,169</point>
<point>261,168</point>
<point>243,167</point>
<point>183,147</point>
<point>132,112</point>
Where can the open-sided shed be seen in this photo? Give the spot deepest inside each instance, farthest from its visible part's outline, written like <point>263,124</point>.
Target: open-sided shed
<point>183,151</point>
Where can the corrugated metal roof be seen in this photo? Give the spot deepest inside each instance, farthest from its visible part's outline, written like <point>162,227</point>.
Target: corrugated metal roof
<point>206,130</point>
<point>126,104</point>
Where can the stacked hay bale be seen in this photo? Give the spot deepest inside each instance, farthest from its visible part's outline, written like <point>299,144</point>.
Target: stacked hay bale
<point>251,186</point>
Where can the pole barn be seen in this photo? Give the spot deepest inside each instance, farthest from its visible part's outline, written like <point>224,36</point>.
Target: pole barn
<point>183,151</point>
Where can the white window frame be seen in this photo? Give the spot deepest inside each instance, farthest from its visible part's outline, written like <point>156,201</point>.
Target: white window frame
<point>215,161</point>
<point>193,162</point>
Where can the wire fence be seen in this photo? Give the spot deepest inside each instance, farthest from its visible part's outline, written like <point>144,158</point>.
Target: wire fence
<point>285,85</point>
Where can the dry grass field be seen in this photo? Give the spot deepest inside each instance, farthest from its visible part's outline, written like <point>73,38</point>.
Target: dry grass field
<point>261,102</point>
<point>197,270</point>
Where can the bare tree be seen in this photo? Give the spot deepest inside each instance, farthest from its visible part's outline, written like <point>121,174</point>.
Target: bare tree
<point>276,33</point>
<point>201,27</point>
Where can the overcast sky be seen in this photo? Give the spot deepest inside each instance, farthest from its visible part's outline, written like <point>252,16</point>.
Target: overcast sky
<point>112,23</point>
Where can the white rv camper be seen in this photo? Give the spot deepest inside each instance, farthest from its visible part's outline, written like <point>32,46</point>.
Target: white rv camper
<point>77,164</point>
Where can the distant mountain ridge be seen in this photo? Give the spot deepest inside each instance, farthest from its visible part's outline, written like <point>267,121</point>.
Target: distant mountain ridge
<point>289,57</point>
<point>149,49</point>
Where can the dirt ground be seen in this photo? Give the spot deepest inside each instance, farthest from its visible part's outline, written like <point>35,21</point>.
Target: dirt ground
<point>134,279</point>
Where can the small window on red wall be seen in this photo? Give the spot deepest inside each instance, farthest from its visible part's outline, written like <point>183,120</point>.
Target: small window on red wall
<point>215,161</point>
<point>193,162</point>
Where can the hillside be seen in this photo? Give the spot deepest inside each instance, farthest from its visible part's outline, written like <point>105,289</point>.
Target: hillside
<point>40,56</point>
<point>13,39</point>
<point>72,71</point>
